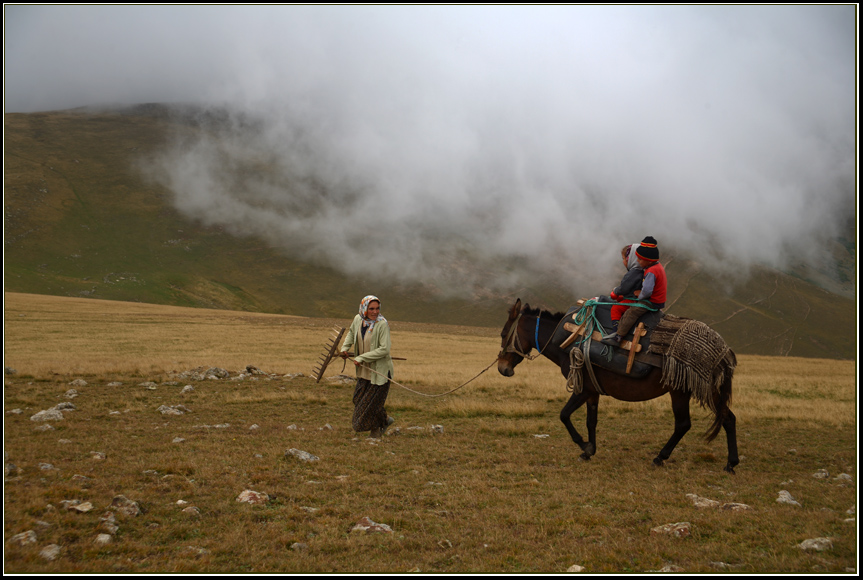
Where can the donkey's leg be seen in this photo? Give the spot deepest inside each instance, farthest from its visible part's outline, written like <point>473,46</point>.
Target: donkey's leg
<point>730,426</point>
<point>592,414</point>
<point>576,401</point>
<point>682,424</point>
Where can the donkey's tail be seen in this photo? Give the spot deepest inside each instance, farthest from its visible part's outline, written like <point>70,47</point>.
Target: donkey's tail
<point>722,377</point>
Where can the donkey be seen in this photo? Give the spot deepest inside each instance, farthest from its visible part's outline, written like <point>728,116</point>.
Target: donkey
<point>528,329</point>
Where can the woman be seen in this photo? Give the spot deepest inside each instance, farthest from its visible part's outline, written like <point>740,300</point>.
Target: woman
<point>369,335</point>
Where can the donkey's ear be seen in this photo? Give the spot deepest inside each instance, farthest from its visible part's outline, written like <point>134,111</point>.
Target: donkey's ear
<point>516,309</point>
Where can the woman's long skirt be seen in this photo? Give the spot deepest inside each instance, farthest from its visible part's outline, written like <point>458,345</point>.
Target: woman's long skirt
<point>369,399</point>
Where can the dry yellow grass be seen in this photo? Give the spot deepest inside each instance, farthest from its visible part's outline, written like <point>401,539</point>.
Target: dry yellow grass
<point>46,335</point>
<point>485,496</point>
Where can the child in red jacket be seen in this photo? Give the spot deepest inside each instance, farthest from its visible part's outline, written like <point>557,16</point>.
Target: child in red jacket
<point>654,287</point>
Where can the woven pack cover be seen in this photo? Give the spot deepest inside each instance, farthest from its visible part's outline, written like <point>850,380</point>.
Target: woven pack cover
<point>696,357</point>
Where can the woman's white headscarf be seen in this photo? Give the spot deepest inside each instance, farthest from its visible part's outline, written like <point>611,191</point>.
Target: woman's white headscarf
<point>364,308</point>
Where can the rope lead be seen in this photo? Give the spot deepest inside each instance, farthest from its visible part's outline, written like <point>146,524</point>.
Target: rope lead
<point>438,395</point>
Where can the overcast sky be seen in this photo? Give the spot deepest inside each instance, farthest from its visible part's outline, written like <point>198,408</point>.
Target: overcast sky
<point>451,133</point>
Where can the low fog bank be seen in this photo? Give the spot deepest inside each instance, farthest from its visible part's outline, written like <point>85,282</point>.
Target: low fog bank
<point>496,204</point>
<point>473,147</point>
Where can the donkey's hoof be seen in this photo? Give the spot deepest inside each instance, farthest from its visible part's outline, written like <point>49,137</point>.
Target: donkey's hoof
<point>585,456</point>
<point>658,462</point>
<point>730,469</point>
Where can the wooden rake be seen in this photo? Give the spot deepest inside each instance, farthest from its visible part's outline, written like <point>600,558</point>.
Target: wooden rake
<point>331,352</point>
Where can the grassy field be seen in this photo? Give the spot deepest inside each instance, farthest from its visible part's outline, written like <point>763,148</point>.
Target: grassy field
<point>499,490</point>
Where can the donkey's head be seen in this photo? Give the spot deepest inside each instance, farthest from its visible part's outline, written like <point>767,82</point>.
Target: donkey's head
<point>511,337</point>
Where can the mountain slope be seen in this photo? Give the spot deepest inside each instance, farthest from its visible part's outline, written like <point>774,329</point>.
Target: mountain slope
<point>81,219</point>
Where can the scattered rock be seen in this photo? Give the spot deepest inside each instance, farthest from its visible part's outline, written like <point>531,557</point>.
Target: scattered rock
<point>177,440</point>
<point>326,427</point>
<point>821,474</point>
<point>843,477</point>
<point>50,552</point>
<point>24,538</point>
<point>76,505</point>
<point>188,389</point>
<point>541,436</point>
<point>309,510</point>
<point>97,455</point>
<point>253,497</point>
<point>575,568</point>
<point>45,427</point>
<point>368,526</point>
<point>437,428</point>
<point>10,371</point>
<point>125,506</point>
<point>148,385</point>
<point>45,466</point>
<point>785,497</point>
<point>702,502</point>
<point>342,380</point>
<point>852,510</point>
<point>299,547</point>
<point>215,373</point>
<point>678,530</point>
<point>48,415</point>
<point>102,539</point>
<point>115,384</point>
<point>14,412</point>
<point>723,565</point>
<point>255,426</point>
<point>109,523</point>
<point>735,507</point>
<point>302,455</point>
<point>173,409</point>
<point>78,383</point>
<point>71,394</point>
<point>817,544</point>
<point>668,569</point>
<point>192,511</point>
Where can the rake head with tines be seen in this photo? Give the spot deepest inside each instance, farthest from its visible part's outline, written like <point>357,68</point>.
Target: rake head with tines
<point>329,353</point>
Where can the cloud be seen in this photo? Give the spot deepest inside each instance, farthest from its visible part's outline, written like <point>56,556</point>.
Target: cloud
<point>459,145</point>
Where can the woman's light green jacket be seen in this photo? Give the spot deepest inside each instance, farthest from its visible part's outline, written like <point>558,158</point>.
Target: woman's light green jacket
<point>378,358</point>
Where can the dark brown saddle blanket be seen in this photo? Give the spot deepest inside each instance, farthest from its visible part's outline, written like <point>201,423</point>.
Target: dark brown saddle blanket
<point>610,357</point>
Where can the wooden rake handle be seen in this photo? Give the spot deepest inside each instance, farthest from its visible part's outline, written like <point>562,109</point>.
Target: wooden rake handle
<point>350,354</point>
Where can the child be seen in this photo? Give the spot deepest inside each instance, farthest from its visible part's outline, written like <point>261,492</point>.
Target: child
<point>654,288</point>
<point>630,285</point>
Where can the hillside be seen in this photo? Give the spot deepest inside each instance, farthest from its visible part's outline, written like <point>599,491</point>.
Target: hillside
<point>81,219</point>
